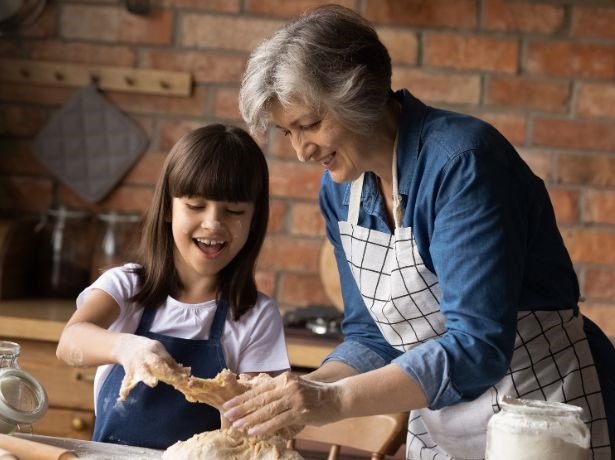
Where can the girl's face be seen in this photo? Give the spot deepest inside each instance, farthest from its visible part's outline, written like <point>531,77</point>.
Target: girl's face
<point>208,235</point>
<point>322,139</point>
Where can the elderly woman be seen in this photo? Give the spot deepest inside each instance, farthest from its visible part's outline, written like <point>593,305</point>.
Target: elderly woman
<point>457,286</point>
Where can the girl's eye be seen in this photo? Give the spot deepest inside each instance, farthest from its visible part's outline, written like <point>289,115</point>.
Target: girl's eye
<point>194,207</point>
<point>235,212</point>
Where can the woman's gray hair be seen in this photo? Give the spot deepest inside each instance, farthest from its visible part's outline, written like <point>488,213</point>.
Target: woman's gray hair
<point>331,59</point>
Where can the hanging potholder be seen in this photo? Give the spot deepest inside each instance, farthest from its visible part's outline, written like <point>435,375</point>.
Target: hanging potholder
<point>89,144</point>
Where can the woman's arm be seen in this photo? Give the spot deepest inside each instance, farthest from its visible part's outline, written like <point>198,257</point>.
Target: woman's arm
<point>290,400</point>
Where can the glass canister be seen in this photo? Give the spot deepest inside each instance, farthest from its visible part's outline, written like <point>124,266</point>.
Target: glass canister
<point>117,240</point>
<point>23,400</point>
<point>531,429</point>
<point>66,252</point>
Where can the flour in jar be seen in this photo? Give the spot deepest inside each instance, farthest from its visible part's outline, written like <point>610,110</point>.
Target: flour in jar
<point>531,429</point>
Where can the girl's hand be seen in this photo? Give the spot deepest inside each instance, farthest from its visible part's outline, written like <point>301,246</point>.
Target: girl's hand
<point>283,405</point>
<point>142,359</point>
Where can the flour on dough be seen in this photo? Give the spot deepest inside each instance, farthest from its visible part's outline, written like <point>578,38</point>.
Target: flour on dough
<point>230,444</point>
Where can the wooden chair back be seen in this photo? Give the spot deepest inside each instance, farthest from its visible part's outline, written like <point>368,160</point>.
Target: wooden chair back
<point>380,435</point>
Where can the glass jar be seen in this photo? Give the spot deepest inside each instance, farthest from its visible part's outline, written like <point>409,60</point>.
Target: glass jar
<point>531,429</point>
<point>116,242</point>
<point>23,400</point>
<point>66,252</point>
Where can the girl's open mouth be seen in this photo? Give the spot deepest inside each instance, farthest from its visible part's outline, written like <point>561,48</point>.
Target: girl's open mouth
<point>211,248</point>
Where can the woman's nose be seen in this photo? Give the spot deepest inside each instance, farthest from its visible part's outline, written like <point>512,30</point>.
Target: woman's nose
<point>304,149</point>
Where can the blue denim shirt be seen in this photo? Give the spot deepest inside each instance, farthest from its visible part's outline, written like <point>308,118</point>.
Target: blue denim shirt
<point>484,224</point>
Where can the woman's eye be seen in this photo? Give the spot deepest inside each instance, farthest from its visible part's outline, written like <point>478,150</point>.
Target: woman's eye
<point>194,207</point>
<point>286,132</point>
<point>311,125</point>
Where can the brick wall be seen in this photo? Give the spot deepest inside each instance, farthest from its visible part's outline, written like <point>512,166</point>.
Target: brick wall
<point>542,72</point>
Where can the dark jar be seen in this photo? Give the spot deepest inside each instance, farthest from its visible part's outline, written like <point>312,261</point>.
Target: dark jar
<point>116,242</point>
<point>65,239</point>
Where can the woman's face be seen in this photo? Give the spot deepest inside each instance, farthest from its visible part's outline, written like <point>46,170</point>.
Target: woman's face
<point>208,234</point>
<point>322,139</point>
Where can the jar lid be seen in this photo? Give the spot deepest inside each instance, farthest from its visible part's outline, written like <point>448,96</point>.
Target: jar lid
<point>119,217</point>
<point>9,349</point>
<point>22,398</point>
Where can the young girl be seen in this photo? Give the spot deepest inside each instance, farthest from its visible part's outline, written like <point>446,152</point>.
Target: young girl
<point>191,299</point>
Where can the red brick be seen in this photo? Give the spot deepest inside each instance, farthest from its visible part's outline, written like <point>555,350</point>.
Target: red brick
<point>116,24</point>
<point>596,100</point>
<point>286,9</point>
<point>226,105</point>
<point>421,13</point>
<point>401,44</point>
<point>35,94</point>
<point>172,130</point>
<point>278,210</point>
<point>25,194</point>
<point>222,6</point>
<point>590,245</point>
<point>600,284</point>
<point>599,207</point>
<point>593,22</point>
<point>592,170</point>
<point>574,134</point>
<point>122,199</point>
<point>566,59</point>
<point>146,170</point>
<point>539,162</point>
<point>82,53</point>
<point>495,54</point>
<point>45,26</point>
<point>265,282</point>
<point>16,157</point>
<point>148,103</point>
<point>566,205</point>
<point>522,16</point>
<point>528,94</point>
<point>222,32</point>
<point>301,290</point>
<point>290,254</point>
<point>294,179</point>
<point>204,66</point>
<point>602,314</point>
<point>21,121</point>
<point>512,126</point>
<point>307,220</point>
<point>438,87</point>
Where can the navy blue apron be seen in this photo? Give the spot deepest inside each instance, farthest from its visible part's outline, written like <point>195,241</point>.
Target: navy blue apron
<point>159,417</point>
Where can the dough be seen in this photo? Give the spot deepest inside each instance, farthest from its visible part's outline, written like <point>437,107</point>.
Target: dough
<point>227,444</point>
<point>214,392</point>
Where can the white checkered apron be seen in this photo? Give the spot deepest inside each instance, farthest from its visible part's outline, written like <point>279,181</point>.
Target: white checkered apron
<point>551,361</point>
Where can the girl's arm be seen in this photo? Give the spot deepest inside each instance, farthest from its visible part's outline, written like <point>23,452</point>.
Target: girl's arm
<point>85,340</point>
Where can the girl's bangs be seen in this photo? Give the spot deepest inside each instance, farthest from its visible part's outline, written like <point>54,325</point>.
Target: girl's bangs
<point>219,174</point>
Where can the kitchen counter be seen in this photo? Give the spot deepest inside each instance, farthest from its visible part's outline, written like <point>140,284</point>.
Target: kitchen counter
<point>96,450</point>
<point>44,319</point>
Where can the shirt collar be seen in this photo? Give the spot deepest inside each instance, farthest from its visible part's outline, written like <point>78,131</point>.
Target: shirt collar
<point>410,127</point>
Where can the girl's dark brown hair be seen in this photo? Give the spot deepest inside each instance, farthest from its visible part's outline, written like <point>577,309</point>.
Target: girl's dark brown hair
<point>216,162</point>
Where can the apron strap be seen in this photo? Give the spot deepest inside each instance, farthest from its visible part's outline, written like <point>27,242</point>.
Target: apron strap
<point>147,318</point>
<point>397,211</point>
<point>355,200</point>
<point>217,325</point>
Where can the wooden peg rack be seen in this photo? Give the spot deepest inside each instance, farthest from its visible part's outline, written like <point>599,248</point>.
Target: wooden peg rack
<point>105,77</point>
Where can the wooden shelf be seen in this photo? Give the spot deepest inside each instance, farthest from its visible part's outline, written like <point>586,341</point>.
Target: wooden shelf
<point>104,77</point>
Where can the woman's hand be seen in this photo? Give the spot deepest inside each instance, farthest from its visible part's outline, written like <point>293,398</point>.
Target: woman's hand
<point>283,405</point>
<point>142,359</point>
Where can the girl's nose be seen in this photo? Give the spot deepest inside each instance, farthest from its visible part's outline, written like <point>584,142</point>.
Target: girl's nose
<point>211,219</point>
